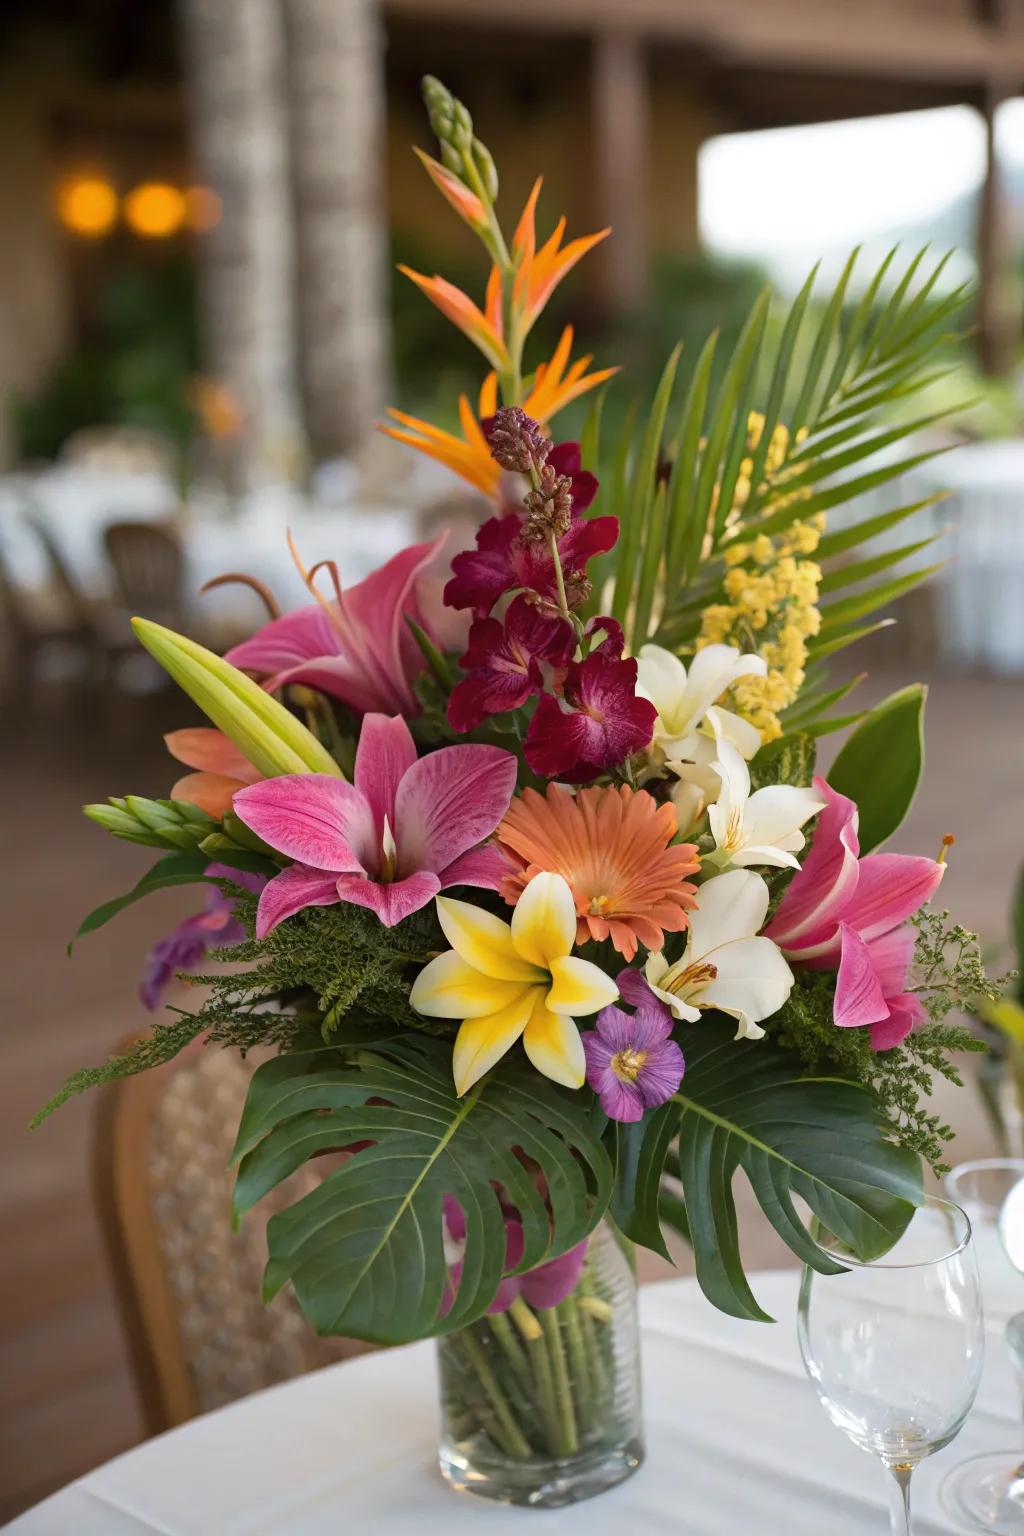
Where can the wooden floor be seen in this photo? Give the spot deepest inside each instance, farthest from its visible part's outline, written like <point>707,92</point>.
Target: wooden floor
<point>66,1395</point>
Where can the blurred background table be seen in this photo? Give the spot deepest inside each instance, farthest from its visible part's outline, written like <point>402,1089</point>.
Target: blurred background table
<point>736,1441</point>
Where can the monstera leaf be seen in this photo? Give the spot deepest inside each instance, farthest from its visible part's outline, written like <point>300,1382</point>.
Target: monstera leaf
<point>743,1104</point>
<point>364,1251</point>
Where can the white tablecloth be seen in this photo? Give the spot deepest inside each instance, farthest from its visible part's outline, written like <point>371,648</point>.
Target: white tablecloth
<point>737,1445</point>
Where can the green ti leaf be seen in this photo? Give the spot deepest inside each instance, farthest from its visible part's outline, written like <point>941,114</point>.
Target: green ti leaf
<point>880,765</point>
<point>172,869</point>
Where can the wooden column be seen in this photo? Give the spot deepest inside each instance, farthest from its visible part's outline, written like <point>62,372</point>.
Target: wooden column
<point>234,53</point>
<point>338,132</point>
<point>999,310</point>
<point>621,128</point>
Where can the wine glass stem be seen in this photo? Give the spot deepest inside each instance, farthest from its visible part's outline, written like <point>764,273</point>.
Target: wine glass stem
<point>899,1498</point>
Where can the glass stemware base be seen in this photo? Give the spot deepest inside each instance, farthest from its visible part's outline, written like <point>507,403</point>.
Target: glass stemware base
<point>986,1493</point>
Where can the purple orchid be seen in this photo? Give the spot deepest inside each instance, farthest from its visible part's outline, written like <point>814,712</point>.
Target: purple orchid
<point>540,1288</point>
<point>359,649</point>
<point>846,913</point>
<point>216,927</point>
<point>407,828</point>
<point>632,1064</point>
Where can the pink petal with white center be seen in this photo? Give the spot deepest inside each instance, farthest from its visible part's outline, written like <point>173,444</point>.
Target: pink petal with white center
<point>289,892</point>
<point>859,998</point>
<point>818,895</point>
<point>448,802</point>
<point>385,753</point>
<point>891,888</point>
<point>484,867</point>
<point>904,1012</point>
<point>392,901</point>
<point>313,818</point>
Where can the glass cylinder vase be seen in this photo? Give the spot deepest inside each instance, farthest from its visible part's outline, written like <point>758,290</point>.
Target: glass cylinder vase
<point>540,1404</point>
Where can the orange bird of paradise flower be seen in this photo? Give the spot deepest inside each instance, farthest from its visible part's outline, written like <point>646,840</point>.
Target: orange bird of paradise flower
<point>554,385</point>
<point>537,274</point>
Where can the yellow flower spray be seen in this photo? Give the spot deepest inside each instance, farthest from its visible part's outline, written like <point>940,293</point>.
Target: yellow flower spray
<point>772,608</point>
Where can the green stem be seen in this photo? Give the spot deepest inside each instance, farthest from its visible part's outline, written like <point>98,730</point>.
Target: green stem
<point>559,579</point>
<point>568,1437</point>
<point>544,1384</point>
<point>517,1443</point>
<point>513,1350</point>
<point>570,1320</point>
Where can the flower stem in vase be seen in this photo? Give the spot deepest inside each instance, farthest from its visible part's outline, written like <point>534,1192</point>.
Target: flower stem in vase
<point>569,1317</point>
<point>513,1441</point>
<point>568,1438</point>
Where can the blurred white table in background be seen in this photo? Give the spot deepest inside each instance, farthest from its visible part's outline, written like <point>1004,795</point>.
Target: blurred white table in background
<point>77,504</point>
<point>737,1445</point>
<point>978,593</point>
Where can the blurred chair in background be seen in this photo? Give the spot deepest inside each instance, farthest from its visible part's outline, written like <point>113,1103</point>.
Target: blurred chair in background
<point>148,565</point>
<point>188,1287</point>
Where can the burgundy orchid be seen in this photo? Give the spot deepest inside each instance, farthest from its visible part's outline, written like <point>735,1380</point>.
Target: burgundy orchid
<point>843,911</point>
<point>406,828</point>
<point>507,662</point>
<point>540,1288</point>
<point>596,724</point>
<point>359,648</point>
<point>185,947</point>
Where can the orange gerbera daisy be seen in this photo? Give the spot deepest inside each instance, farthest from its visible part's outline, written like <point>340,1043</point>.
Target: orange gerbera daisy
<point>612,846</point>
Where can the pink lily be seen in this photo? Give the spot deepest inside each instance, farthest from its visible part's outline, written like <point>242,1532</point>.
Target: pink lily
<point>847,913</point>
<point>358,647</point>
<point>406,828</point>
<point>222,769</point>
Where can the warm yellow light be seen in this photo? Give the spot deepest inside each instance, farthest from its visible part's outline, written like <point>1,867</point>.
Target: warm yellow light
<point>202,208</point>
<point>155,210</point>
<point>88,206</point>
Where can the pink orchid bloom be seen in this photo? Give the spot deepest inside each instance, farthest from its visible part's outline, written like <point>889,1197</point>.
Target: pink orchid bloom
<point>540,1288</point>
<point>222,769</point>
<point>406,828</point>
<point>847,913</point>
<point>358,648</point>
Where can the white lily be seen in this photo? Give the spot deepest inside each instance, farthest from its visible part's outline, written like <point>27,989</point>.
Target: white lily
<point>759,828</point>
<point>684,696</point>
<point>510,980</point>
<point>727,965</point>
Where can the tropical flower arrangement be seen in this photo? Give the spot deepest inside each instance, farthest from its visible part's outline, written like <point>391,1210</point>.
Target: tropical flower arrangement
<point>522,863</point>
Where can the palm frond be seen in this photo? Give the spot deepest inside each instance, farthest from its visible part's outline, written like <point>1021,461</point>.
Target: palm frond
<point>830,373</point>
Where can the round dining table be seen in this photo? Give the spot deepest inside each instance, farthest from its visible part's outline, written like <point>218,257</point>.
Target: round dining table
<point>737,1445</point>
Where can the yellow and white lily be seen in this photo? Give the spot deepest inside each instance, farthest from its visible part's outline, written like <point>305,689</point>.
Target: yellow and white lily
<point>727,964</point>
<point>759,828</point>
<point>510,980</point>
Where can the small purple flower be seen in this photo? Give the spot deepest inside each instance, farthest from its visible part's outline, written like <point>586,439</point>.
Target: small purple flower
<point>216,927</point>
<point>632,1064</point>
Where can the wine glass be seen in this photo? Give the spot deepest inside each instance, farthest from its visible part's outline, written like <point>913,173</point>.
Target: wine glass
<point>894,1346</point>
<point>987,1491</point>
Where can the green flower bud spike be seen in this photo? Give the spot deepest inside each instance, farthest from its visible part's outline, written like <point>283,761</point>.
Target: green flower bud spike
<point>267,733</point>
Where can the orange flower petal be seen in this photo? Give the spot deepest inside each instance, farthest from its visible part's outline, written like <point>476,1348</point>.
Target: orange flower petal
<point>459,308</point>
<point>613,846</point>
<point>455,192</point>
